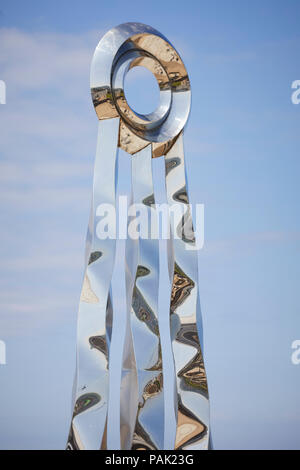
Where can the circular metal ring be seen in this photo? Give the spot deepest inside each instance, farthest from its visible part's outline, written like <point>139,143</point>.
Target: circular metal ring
<point>127,46</point>
<point>140,122</point>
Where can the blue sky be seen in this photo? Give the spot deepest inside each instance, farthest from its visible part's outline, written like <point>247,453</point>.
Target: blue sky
<point>242,151</point>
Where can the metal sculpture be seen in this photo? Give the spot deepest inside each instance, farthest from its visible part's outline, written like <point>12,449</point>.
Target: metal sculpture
<point>158,134</point>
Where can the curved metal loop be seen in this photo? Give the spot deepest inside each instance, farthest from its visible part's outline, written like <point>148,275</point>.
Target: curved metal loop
<point>130,45</point>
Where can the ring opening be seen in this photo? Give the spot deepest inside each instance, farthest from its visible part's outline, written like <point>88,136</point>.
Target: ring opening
<point>141,90</point>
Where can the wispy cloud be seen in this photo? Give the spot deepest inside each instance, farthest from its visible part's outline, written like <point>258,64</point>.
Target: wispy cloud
<point>47,145</point>
<point>40,60</point>
<point>247,243</point>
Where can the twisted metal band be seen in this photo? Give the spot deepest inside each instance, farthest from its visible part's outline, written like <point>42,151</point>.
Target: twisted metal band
<point>88,427</point>
<point>149,426</point>
<point>129,382</point>
<point>192,393</point>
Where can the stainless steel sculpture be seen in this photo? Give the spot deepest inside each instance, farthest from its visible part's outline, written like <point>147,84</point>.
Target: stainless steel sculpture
<point>144,137</point>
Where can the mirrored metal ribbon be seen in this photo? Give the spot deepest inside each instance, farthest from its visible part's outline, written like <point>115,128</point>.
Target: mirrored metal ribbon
<point>143,136</point>
<point>149,426</point>
<point>192,391</point>
<point>89,421</point>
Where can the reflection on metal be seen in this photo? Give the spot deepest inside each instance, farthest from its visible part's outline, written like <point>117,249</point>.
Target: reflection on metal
<point>95,313</point>
<point>193,406</point>
<point>130,45</point>
<point>156,134</point>
<point>148,432</point>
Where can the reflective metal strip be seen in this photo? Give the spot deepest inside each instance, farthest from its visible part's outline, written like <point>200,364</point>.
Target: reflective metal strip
<point>192,394</point>
<point>149,425</point>
<point>88,427</point>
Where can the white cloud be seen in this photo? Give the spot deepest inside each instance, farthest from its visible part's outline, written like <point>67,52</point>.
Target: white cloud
<point>48,131</point>
<point>48,127</point>
<point>38,60</point>
<point>247,244</point>
<point>48,97</point>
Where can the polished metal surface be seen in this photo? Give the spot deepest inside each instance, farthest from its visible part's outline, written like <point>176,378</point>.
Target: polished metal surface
<point>160,133</point>
<point>129,382</point>
<point>88,427</point>
<point>192,391</point>
<point>130,45</point>
<point>149,425</point>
